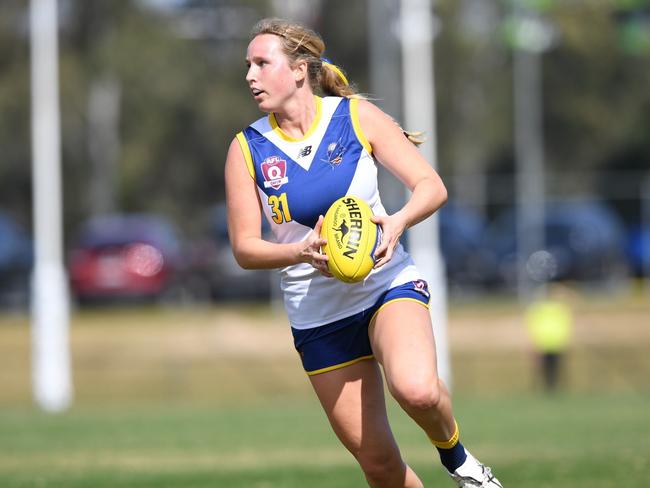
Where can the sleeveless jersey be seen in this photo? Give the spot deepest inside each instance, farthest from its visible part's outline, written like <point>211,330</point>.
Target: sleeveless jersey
<point>297,180</point>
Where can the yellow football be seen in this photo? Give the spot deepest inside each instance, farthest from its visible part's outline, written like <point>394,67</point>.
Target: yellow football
<point>351,239</point>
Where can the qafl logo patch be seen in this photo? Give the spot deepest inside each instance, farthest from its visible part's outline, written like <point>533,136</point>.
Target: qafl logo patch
<point>274,170</point>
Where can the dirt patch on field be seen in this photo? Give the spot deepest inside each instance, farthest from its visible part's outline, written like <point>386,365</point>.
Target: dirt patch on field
<point>506,329</point>
<point>475,329</point>
<point>224,331</point>
<point>227,352</point>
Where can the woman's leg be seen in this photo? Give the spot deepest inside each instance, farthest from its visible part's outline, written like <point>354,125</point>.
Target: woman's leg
<point>353,399</point>
<point>403,342</point>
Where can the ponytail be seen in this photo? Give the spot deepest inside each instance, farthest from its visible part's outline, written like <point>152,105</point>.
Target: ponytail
<point>333,81</point>
<point>416,138</point>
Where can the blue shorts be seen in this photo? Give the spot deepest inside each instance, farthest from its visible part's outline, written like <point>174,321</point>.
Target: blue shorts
<point>344,342</point>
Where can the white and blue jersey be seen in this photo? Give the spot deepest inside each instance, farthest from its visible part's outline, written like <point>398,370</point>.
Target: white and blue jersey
<point>297,180</point>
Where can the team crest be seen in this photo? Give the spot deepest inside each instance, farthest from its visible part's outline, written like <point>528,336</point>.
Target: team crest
<point>335,152</point>
<point>421,287</point>
<point>274,170</point>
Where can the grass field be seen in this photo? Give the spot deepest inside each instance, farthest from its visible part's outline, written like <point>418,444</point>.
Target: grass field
<point>215,397</point>
<point>565,442</point>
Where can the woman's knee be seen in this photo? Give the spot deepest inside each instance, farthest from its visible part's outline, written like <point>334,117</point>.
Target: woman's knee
<point>414,393</point>
<point>382,468</point>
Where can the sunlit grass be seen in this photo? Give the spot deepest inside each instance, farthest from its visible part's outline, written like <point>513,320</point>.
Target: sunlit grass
<point>215,397</point>
<point>564,441</point>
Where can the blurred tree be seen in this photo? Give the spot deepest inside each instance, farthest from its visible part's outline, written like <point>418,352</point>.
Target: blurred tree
<point>474,92</point>
<point>174,107</point>
<point>597,94</point>
<point>15,125</point>
<point>178,82</point>
<point>595,100</point>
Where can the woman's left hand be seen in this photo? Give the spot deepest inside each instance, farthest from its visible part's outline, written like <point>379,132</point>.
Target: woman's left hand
<point>312,250</point>
<point>392,227</point>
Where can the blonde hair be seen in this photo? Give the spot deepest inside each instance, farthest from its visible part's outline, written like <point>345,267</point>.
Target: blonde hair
<point>302,43</point>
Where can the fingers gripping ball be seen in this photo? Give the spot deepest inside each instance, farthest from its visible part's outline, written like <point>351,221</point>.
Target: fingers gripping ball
<point>351,239</point>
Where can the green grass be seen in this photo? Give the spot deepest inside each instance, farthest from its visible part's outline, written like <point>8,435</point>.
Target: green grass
<point>215,397</point>
<point>567,441</point>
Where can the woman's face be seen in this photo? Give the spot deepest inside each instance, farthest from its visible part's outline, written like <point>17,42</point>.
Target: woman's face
<point>270,78</point>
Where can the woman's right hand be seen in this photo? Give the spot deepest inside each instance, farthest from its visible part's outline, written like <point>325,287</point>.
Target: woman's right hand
<point>311,251</point>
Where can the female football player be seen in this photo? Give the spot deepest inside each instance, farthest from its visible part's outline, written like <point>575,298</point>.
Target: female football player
<point>320,141</point>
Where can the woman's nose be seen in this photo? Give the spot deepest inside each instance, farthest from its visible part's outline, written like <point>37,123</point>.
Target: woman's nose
<point>250,74</point>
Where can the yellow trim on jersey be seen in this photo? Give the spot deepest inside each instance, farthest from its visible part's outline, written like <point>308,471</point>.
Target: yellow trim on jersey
<point>314,124</point>
<point>243,143</point>
<point>400,299</point>
<point>338,366</point>
<point>451,442</point>
<point>354,115</point>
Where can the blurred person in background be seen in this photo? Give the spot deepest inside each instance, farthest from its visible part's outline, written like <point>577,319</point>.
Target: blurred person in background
<point>549,321</point>
<point>289,167</point>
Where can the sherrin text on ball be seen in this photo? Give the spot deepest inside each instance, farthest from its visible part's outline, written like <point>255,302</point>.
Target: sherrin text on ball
<point>351,239</point>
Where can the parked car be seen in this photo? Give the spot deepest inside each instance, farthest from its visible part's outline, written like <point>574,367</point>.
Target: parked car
<point>467,261</point>
<point>129,257</point>
<point>638,250</point>
<point>584,241</point>
<point>230,281</point>
<point>16,261</point>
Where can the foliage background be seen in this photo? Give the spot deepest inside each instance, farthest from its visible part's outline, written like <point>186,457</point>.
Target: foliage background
<point>181,97</point>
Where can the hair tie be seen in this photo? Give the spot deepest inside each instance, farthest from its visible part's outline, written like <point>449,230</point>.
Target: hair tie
<point>329,65</point>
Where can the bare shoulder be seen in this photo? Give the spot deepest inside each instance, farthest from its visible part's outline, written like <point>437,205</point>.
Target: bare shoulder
<point>369,112</point>
<point>377,124</point>
<point>234,150</point>
<point>238,158</point>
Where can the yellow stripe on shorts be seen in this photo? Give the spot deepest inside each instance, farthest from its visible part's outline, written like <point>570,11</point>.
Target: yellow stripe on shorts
<point>338,366</point>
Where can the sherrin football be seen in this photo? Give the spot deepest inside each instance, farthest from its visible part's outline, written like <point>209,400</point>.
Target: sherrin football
<point>351,239</point>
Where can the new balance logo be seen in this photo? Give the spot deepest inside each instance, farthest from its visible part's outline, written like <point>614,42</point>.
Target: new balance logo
<point>305,151</point>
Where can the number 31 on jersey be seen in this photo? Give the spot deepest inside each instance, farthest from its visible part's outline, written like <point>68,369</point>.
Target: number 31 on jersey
<point>280,208</point>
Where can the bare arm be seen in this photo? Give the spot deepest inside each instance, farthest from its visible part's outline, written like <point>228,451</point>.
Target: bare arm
<point>402,159</point>
<point>245,221</point>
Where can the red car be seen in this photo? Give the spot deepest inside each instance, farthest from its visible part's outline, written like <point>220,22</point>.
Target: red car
<point>126,257</point>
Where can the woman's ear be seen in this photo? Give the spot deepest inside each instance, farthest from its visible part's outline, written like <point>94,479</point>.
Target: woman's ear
<point>300,70</point>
